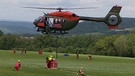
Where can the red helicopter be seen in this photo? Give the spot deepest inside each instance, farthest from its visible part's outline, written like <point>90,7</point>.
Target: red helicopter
<point>64,20</point>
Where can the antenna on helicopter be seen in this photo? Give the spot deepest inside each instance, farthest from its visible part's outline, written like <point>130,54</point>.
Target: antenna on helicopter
<point>44,13</point>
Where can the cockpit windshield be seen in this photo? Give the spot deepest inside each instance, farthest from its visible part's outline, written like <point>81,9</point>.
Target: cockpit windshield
<point>40,19</point>
<point>37,19</point>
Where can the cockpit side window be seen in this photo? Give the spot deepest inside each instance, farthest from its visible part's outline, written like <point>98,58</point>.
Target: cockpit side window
<point>57,21</point>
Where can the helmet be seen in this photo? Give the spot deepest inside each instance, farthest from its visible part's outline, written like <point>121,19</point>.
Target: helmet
<point>18,60</point>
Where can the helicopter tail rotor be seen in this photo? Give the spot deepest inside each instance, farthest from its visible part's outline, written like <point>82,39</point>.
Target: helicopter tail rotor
<point>113,18</point>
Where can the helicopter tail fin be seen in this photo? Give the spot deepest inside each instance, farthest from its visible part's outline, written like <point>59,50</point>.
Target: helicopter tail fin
<point>113,19</point>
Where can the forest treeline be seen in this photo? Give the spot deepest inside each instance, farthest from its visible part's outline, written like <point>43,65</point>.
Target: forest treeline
<point>98,44</point>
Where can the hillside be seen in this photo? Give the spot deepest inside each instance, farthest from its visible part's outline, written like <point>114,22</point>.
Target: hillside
<point>83,27</point>
<point>15,27</point>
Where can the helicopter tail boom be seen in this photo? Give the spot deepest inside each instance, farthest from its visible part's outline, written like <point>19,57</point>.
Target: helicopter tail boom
<point>112,19</point>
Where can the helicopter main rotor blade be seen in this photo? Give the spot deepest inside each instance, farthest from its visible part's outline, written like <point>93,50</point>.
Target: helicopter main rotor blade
<point>41,8</point>
<point>80,8</point>
<point>61,8</point>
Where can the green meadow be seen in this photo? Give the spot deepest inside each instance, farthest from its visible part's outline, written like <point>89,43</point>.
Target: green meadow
<point>33,64</point>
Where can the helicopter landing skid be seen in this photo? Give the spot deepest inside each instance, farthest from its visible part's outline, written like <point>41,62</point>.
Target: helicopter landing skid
<point>55,32</point>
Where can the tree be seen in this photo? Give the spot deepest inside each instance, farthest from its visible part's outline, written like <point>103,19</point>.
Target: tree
<point>131,45</point>
<point>1,33</point>
<point>121,45</point>
<point>7,41</point>
<point>44,41</point>
<point>105,45</point>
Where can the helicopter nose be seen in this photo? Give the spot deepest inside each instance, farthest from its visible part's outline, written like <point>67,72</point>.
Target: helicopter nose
<point>35,22</point>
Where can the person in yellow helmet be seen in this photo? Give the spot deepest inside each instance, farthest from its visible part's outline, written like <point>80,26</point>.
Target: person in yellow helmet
<point>18,65</point>
<point>50,57</point>
<point>48,61</point>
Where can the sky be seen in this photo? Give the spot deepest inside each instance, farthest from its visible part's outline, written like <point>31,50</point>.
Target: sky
<point>12,9</point>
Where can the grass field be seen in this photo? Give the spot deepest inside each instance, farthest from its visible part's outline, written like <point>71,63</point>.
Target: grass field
<point>33,64</point>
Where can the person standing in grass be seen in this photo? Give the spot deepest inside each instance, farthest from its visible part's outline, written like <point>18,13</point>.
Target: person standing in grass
<point>24,50</point>
<point>14,51</point>
<point>17,65</point>
<point>77,54</point>
<point>89,57</point>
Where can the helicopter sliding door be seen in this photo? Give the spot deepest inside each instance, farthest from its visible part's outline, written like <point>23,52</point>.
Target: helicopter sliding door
<point>57,23</point>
